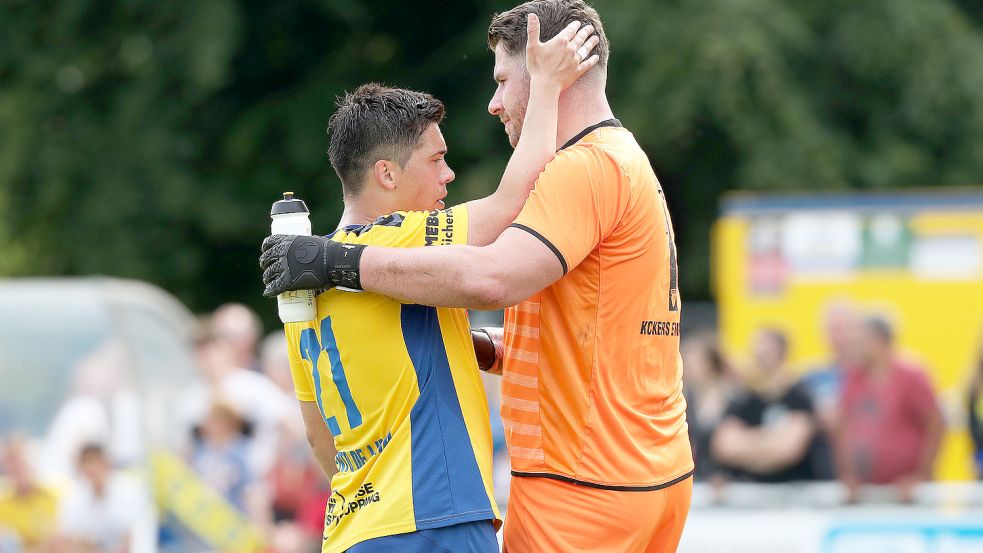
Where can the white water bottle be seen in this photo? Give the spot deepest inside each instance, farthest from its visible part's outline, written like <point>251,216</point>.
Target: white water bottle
<point>291,216</point>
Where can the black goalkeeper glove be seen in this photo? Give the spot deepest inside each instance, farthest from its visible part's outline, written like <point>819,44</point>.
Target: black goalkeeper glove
<point>292,262</point>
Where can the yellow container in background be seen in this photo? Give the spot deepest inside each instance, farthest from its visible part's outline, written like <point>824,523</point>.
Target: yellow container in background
<point>914,257</point>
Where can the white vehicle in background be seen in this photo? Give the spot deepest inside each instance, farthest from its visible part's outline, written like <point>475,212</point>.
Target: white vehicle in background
<point>91,359</point>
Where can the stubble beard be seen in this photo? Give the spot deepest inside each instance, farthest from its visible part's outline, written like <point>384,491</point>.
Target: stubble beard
<point>514,129</point>
<point>513,137</point>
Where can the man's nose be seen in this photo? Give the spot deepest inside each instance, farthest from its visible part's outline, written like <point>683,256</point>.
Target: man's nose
<point>495,106</point>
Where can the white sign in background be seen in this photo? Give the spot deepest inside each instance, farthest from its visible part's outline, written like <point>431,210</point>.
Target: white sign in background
<point>838,530</point>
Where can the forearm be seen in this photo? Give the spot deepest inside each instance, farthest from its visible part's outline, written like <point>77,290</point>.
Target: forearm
<point>491,215</point>
<point>771,451</point>
<point>324,453</point>
<point>751,453</point>
<point>328,468</point>
<point>762,450</point>
<point>513,268</point>
<point>759,453</point>
<point>739,457</point>
<point>728,444</point>
<point>445,276</point>
<point>321,441</point>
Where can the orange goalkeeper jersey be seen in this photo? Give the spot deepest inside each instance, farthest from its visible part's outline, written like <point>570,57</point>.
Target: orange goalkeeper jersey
<point>592,379</point>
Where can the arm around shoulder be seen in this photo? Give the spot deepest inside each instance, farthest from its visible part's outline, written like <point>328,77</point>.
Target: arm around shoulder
<point>514,267</point>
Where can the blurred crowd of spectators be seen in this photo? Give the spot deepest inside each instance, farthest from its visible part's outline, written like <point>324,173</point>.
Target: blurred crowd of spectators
<point>237,428</point>
<point>867,416</point>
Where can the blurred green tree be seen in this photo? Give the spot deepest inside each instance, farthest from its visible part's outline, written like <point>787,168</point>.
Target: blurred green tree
<point>809,95</point>
<point>147,139</point>
<point>100,168</point>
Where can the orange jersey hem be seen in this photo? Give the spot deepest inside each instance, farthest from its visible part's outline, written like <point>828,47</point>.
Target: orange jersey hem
<point>609,486</point>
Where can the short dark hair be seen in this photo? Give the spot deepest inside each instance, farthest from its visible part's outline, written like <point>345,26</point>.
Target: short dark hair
<point>880,328</point>
<point>509,28</point>
<point>377,122</point>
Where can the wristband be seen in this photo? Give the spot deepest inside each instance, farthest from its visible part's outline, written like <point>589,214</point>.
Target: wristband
<point>341,265</point>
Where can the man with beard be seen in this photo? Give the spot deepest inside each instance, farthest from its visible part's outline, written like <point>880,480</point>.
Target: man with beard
<point>592,380</point>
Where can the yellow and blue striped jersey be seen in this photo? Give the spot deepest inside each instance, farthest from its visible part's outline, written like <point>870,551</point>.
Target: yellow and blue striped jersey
<point>398,387</point>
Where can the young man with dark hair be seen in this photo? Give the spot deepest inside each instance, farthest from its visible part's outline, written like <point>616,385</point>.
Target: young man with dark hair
<point>592,380</point>
<point>389,392</point>
<point>377,123</point>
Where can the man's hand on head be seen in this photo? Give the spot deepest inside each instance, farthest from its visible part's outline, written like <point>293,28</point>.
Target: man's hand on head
<point>292,262</point>
<point>562,59</point>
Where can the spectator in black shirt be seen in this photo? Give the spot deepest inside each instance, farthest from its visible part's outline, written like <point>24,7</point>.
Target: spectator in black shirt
<point>769,432</point>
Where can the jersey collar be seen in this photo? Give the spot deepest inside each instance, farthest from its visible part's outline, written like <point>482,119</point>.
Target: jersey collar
<point>590,129</point>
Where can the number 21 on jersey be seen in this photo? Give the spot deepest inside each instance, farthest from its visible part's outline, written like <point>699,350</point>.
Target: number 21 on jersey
<point>310,350</point>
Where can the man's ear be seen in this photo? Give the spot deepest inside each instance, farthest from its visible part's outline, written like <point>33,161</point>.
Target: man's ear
<point>385,173</point>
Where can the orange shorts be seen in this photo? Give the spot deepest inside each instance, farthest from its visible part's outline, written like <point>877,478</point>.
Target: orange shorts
<point>552,516</point>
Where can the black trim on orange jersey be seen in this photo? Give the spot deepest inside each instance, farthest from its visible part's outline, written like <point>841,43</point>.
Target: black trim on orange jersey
<point>590,129</point>
<point>604,486</point>
<point>543,239</point>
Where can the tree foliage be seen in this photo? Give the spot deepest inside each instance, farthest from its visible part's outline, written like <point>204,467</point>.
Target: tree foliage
<point>147,139</point>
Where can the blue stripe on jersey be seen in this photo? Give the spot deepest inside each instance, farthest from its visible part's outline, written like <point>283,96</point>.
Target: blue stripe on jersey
<point>447,484</point>
<point>338,374</point>
<point>310,350</point>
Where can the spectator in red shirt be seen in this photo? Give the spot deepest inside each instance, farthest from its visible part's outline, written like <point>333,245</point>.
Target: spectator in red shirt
<point>891,425</point>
